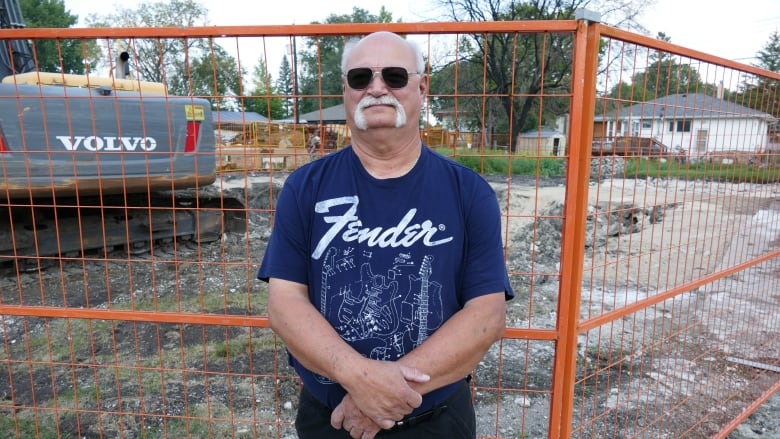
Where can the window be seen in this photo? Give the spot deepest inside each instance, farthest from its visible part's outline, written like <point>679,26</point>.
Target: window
<point>680,126</point>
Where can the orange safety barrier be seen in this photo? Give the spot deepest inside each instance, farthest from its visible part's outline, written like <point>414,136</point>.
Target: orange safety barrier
<point>641,225</point>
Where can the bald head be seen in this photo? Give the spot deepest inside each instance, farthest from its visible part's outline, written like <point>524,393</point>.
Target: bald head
<point>383,37</point>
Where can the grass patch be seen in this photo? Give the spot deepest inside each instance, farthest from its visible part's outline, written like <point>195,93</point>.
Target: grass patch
<point>710,171</point>
<point>211,301</point>
<point>232,348</point>
<point>24,425</point>
<point>59,339</point>
<point>195,424</point>
<point>493,162</point>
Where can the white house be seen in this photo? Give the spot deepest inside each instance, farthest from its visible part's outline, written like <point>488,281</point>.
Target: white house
<point>692,122</point>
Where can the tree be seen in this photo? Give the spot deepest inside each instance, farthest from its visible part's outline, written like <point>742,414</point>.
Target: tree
<point>215,76</point>
<point>761,93</point>
<point>517,68</point>
<point>764,94</point>
<point>284,86</point>
<point>56,56</point>
<point>662,77</point>
<point>471,111</point>
<point>158,60</point>
<point>769,55</point>
<point>319,69</point>
<point>261,98</point>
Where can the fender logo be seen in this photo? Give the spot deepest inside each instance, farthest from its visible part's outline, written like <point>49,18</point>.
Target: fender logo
<point>404,234</point>
<point>94,143</point>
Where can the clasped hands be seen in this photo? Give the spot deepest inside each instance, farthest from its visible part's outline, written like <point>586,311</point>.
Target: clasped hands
<point>377,397</point>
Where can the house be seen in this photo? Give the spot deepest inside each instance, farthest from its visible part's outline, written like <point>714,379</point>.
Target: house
<point>693,123</point>
<point>541,142</point>
<point>453,118</point>
<point>326,116</point>
<point>236,117</point>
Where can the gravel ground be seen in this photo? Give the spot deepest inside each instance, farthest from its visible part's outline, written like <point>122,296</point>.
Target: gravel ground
<point>259,394</point>
<point>764,423</point>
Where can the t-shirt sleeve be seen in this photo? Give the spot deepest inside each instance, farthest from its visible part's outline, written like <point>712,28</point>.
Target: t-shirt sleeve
<point>286,256</point>
<point>485,271</point>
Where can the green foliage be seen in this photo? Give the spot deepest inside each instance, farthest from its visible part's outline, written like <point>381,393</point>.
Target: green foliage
<point>284,86</point>
<point>763,94</point>
<point>213,75</point>
<point>24,425</point>
<point>499,163</point>
<point>484,165</point>
<point>233,348</point>
<point>661,78</point>
<point>769,55</point>
<point>468,111</point>
<point>543,167</point>
<point>159,60</point>
<point>262,94</point>
<point>511,68</point>
<point>56,56</point>
<point>319,63</point>
<point>703,170</point>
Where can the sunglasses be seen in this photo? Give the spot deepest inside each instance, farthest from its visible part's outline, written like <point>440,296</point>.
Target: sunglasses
<point>394,77</point>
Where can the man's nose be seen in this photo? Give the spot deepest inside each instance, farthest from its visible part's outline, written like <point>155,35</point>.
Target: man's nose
<point>377,83</point>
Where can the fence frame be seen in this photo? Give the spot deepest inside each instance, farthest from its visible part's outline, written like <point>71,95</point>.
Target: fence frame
<point>569,324</point>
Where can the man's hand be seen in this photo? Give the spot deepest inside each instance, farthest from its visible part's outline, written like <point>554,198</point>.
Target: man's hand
<point>349,417</point>
<point>381,390</point>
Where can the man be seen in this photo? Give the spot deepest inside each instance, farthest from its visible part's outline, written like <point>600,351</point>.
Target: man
<point>385,266</point>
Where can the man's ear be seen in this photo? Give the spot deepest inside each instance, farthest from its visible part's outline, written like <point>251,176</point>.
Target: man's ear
<point>424,83</point>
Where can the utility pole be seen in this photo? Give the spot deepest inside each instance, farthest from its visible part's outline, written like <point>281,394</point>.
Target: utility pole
<point>295,81</point>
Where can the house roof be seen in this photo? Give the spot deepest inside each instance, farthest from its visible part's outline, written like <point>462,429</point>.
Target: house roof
<point>686,106</point>
<point>544,132</point>
<point>334,114</point>
<point>237,117</point>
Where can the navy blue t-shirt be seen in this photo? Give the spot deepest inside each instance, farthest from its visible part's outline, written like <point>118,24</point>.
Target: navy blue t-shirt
<point>387,261</point>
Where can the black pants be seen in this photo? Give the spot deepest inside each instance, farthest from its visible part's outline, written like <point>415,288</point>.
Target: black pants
<point>456,421</point>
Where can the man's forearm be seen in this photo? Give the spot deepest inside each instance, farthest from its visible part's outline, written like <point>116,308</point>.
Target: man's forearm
<point>306,333</point>
<point>380,388</point>
<point>457,347</point>
<point>448,355</point>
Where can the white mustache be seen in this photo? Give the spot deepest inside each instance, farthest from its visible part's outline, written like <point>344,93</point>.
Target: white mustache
<point>384,100</point>
<point>360,119</point>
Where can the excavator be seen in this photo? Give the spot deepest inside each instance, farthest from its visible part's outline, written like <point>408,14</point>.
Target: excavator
<point>96,163</point>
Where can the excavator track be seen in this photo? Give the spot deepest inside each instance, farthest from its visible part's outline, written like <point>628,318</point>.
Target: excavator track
<point>33,234</point>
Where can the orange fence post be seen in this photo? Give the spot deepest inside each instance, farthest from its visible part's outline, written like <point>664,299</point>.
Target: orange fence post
<point>583,103</point>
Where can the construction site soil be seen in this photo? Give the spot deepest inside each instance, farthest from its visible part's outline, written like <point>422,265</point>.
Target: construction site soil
<point>179,380</point>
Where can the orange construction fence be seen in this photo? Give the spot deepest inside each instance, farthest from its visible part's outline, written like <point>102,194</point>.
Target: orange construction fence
<point>647,283</point>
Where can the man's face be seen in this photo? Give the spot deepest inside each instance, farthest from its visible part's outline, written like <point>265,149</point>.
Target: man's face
<point>375,95</point>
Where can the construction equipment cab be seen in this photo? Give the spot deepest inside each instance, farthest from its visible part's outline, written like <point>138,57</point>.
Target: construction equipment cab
<point>63,135</point>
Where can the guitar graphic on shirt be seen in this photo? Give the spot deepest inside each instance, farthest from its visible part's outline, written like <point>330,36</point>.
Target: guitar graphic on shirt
<point>327,271</point>
<point>417,312</point>
<point>372,313</point>
<point>422,306</point>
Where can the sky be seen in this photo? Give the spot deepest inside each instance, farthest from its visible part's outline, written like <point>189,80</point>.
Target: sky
<point>731,29</point>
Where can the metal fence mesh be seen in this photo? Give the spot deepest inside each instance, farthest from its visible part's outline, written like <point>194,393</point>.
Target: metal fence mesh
<point>640,191</point>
